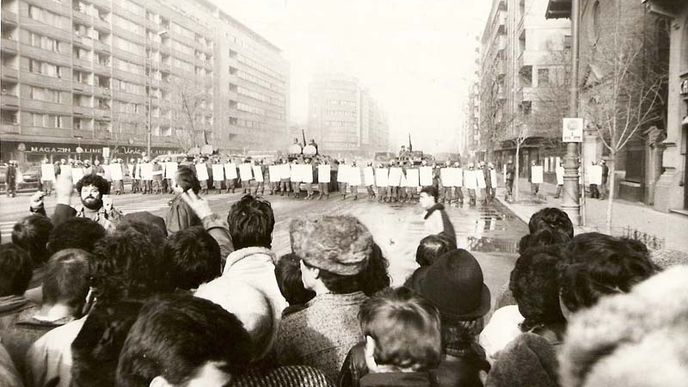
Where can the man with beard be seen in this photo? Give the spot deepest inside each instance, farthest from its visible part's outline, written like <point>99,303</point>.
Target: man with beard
<point>92,189</point>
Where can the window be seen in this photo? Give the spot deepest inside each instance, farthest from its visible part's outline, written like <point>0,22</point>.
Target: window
<point>49,69</point>
<point>543,77</point>
<point>126,45</point>
<point>596,21</point>
<point>47,17</point>
<point>127,25</point>
<point>44,42</point>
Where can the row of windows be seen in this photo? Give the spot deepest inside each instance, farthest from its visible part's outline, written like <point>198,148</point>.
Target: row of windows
<point>176,28</point>
<point>252,78</point>
<point>182,47</point>
<point>48,120</point>
<point>251,109</point>
<point>128,25</point>
<point>342,113</point>
<point>133,8</point>
<point>341,102</point>
<point>44,68</point>
<point>259,66</point>
<point>129,87</point>
<point>128,46</point>
<point>184,65</point>
<point>45,42</point>
<point>48,17</point>
<point>47,95</point>
<point>340,124</point>
<point>128,66</point>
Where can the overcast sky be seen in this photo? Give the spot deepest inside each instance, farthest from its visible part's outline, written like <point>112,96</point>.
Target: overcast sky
<point>415,56</point>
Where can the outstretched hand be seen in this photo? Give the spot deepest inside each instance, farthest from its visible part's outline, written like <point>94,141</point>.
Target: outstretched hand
<point>37,199</point>
<point>199,205</point>
<point>64,189</point>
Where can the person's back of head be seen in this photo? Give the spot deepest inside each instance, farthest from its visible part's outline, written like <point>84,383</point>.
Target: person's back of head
<point>402,331</point>
<point>151,231</point>
<point>95,350</point>
<point>551,218</point>
<point>15,270</point>
<point>75,233</point>
<point>251,222</point>
<point>431,247</point>
<point>182,340</point>
<point>335,250</point>
<point>185,179</point>
<point>125,264</point>
<point>31,234</point>
<point>375,276</point>
<point>542,238</point>
<point>66,280</point>
<point>534,283</point>
<point>601,265</point>
<point>288,274</point>
<point>194,257</point>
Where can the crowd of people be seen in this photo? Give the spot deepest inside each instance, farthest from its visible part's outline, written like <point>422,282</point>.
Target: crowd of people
<point>93,297</point>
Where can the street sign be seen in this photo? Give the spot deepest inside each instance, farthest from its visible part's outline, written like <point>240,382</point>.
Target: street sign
<point>572,130</point>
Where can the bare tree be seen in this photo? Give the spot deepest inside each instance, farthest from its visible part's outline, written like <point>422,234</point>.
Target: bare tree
<point>189,105</point>
<point>628,95</point>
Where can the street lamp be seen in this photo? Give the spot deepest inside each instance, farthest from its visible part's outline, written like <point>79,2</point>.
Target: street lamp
<point>571,202</point>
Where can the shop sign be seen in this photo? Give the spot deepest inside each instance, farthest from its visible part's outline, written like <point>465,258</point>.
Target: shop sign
<point>54,148</point>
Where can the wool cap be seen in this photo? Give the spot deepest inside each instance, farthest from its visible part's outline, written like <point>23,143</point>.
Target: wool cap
<point>454,283</point>
<point>338,244</point>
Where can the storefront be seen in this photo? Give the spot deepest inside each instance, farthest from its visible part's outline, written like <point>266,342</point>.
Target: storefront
<point>30,153</point>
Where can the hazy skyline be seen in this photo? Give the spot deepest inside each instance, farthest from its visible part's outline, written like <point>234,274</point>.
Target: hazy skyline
<point>415,56</point>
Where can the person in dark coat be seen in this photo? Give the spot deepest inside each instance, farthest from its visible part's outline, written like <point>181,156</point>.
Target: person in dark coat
<point>11,179</point>
<point>180,215</point>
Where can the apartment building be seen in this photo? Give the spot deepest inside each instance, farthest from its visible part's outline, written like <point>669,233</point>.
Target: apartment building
<point>344,118</point>
<point>524,64</point>
<point>81,76</point>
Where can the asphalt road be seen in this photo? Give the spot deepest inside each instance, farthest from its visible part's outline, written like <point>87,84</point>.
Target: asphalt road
<point>487,231</point>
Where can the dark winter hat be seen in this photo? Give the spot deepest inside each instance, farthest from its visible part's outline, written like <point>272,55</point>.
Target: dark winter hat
<point>147,217</point>
<point>454,283</point>
<point>338,244</point>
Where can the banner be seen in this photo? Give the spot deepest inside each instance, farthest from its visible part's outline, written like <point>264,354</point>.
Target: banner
<point>116,172</point>
<point>258,173</point>
<point>480,178</point>
<point>323,173</point>
<point>560,175</point>
<point>469,179</point>
<point>245,172</point>
<point>77,174</point>
<point>275,172</point>
<point>342,173</point>
<point>285,171</point>
<point>306,173</point>
<point>146,171</point>
<point>412,178</point>
<point>218,172</point>
<point>201,172</point>
<point>493,178</point>
<point>446,177</point>
<point>47,172</point>
<point>230,171</point>
<point>368,176</point>
<point>536,174</point>
<point>456,176</point>
<point>295,173</point>
<point>394,176</point>
<point>354,176</point>
<point>595,174</point>
<point>425,176</point>
<point>381,177</point>
<point>171,169</point>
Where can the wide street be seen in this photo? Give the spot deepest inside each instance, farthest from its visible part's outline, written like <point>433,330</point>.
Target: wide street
<point>485,230</point>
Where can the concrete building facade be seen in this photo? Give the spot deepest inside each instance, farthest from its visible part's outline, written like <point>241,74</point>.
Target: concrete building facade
<point>523,63</point>
<point>344,118</point>
<point>81,76</point>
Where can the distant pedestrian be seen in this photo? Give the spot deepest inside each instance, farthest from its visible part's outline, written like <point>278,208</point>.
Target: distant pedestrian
<point>436,219</point>
<point>510,174</point>
<point>605,175</point>
<point>11,179</point>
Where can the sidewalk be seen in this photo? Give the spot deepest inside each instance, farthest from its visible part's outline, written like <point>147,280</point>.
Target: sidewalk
<point>660,229</point>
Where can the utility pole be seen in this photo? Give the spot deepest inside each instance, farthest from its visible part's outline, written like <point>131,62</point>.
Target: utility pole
<point>571,201</point>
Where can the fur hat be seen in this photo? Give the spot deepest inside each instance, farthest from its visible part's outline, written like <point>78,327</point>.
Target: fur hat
<point>634,339</point>
<point>338,244</point>
<point>454,283</point>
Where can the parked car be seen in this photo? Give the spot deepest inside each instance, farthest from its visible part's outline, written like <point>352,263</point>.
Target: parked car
<point>29,179</point>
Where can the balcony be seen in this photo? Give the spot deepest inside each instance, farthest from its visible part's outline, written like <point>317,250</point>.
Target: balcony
<point>10,102</point>
<point>82,87</point>
<point>83,110</point>
<point>9,17</point>
<point>101,25</point>
<point>83,41</point>
<point>9,127</point>
<point>102,4</point>
<point>9,46</point>
<point>102,92</point>
<point>9,73</point>
<point>82,18</point>
<point>82,64</point>
<point>101,113</point>
<point>103,47</point>
<point>99,68</point>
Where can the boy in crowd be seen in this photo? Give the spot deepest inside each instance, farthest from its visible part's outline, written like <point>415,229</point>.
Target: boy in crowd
<point>436,219</point>
<point>183,340</point>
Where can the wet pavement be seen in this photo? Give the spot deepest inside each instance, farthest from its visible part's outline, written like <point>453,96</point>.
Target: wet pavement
<point>490,232</point>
